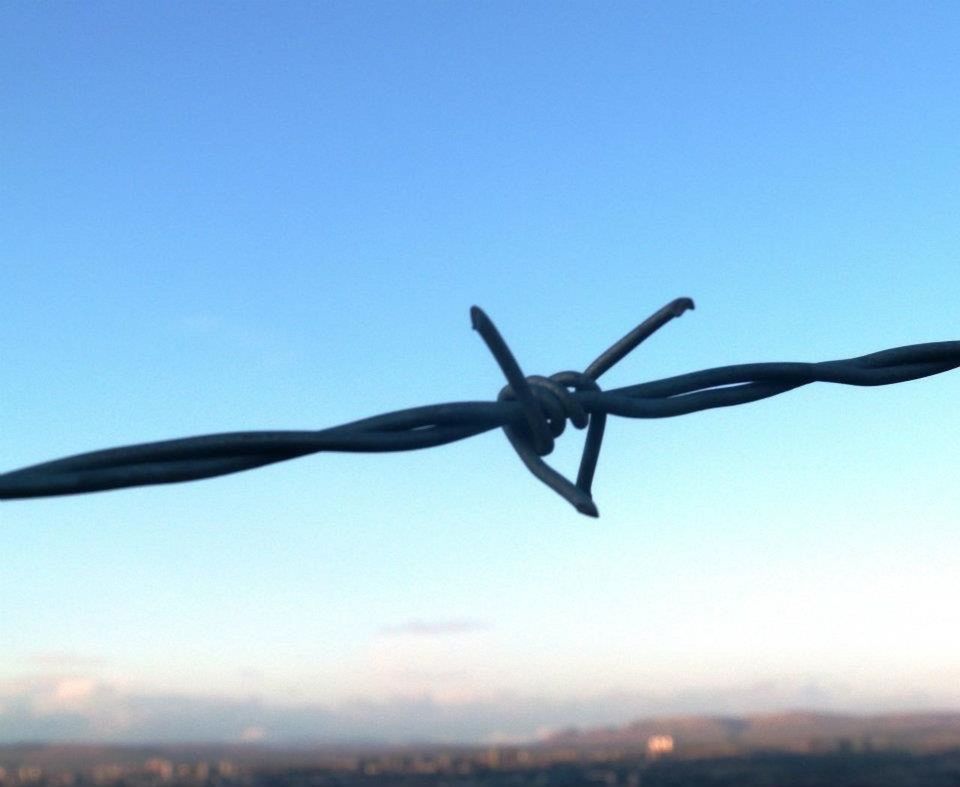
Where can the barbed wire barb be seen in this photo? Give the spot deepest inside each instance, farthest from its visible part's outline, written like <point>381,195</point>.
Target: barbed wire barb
<point>531,410</point>
<point>546,416</point>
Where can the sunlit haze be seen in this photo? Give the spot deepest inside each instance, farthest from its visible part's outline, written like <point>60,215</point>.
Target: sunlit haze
<point>220,217</point>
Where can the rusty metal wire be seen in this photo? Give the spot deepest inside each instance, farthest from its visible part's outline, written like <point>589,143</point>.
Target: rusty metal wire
<point>532,411</point>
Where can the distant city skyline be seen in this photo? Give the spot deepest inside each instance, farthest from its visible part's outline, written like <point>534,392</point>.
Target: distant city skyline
<point>755,749</point>
<point>236,217</point>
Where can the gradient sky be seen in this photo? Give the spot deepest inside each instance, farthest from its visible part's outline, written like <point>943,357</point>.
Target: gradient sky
<point>228,216</point>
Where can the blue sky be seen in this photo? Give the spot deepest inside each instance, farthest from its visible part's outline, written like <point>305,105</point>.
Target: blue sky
<point>220,216</point>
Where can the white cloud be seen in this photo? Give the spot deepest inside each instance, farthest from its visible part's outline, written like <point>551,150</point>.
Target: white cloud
<point>72,690</point>
<point>434,628</point>
<point>253,734</point>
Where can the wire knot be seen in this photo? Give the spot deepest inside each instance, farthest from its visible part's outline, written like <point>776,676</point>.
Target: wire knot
<point>547,402</point>
<point>555,404</point>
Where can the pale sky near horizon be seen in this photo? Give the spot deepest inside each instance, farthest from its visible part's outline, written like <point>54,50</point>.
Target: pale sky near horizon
<point>219,217</point>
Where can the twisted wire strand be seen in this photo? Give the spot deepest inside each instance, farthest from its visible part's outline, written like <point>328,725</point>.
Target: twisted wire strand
<point>532,411</point>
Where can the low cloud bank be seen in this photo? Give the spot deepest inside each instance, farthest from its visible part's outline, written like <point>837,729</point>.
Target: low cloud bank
<point>84,709</point>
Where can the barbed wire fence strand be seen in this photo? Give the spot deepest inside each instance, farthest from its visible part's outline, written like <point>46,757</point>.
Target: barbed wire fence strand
<point>532,411</point>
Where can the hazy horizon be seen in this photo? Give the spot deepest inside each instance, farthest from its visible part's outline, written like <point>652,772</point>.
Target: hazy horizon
<point>80,711</point>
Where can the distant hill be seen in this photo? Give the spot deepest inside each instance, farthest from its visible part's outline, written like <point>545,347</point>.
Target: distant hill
<point>692,737</point>
<point>790,732</point>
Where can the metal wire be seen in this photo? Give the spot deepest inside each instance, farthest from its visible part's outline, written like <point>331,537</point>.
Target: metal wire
<point>532,411</point>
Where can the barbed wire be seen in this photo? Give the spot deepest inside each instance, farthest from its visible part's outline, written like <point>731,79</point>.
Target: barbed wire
<point>532,411</point>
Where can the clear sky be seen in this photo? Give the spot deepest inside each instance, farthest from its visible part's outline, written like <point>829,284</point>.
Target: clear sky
<point>231,216</point>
